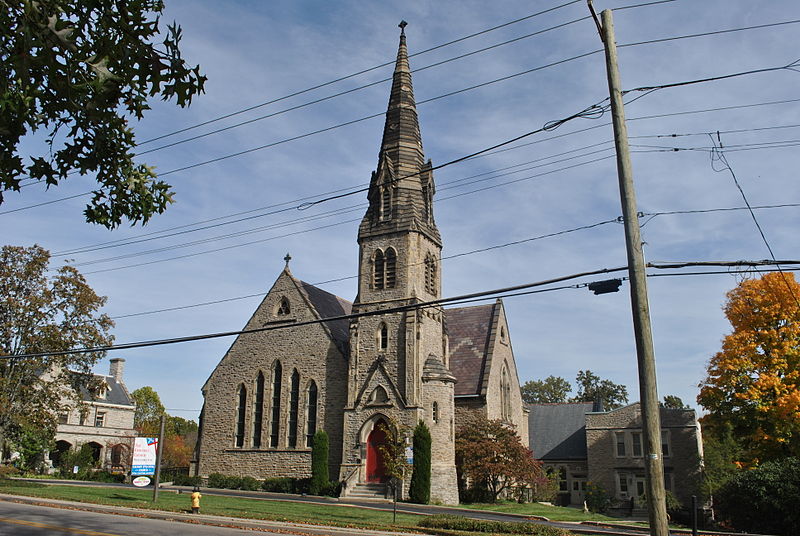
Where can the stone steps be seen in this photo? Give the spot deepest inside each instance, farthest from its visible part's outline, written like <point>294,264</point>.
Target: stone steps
<point>368,491</point>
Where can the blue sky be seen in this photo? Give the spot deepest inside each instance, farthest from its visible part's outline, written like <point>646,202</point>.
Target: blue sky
<point>253,52</point>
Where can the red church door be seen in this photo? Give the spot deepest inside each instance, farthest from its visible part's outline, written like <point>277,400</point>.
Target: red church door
<point>376,471</point>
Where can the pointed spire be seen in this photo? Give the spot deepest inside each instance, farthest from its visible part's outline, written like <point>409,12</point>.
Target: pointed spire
<point>402,144</point>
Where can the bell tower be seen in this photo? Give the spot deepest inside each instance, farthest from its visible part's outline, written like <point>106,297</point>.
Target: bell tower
<point>398,368</point>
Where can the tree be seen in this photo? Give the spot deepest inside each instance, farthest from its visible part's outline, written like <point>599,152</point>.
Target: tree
<point>673,402</point>
<point>753,382</point>
<point>78,71</point>
<point>551,390</point>
<point>39,314</point>
<point>591,388</point>
<point>393,452</point>
<point>492,457</point>
<point>764,499</point>
<point>420,489</point>
<point>319,463</point>
<point>149,410</point>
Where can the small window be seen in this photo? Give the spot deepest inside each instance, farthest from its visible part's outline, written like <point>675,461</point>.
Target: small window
<point>623,483</point>
<point>620,440</point>
<point>378,270</point>
<point>435,412</point>
<point>379,396</point>
<point>99,419</point>
<point>391,268</point>
<point>383,337</point>
<point>502,334</point>
<point>562,479</point>
<point>430,274</point>
<point>665,443</point>
<point>637,444</point>
<point>63,418</point>
<point>284,309</point>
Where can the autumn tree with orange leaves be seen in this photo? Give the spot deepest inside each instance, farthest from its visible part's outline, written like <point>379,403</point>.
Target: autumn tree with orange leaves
<point>753,382</point>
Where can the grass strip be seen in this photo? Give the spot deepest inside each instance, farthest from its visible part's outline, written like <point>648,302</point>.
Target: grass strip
<point>292,512</point>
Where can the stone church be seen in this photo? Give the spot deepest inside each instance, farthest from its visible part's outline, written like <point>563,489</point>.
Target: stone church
<point>392,361</point>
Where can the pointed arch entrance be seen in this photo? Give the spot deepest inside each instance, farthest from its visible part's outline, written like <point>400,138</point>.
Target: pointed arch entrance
<point>376,470</point>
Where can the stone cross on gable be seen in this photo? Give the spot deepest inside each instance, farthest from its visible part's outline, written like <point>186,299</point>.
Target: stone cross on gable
<point>287,258</point>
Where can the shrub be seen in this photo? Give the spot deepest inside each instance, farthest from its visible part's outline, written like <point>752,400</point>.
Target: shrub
<point>7,471</point>
<point>451,522</point>
<point>420,488</point>
<point>278,485</point>
<point>319,463</point>
<point>763,500</point>
<point>250,484</point>
<point>216,480</point>
<point>186,480</point>
<point>597,498</point>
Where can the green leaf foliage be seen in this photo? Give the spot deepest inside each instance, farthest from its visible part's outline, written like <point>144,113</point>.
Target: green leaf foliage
<point>72,73</point>
<point>319,463</point>
<point>420,488</point>
<point>551,390</point>
<point>763,500</point>
<point>452,522</point>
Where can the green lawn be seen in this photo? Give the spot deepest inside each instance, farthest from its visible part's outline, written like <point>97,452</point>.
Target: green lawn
<point>338,515</point>
<point>553,513</point>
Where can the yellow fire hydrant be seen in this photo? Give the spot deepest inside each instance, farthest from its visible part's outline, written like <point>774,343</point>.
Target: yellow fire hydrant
<point>196,500</point>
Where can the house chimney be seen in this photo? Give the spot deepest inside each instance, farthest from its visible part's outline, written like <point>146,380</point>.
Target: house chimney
<point>116,368</point>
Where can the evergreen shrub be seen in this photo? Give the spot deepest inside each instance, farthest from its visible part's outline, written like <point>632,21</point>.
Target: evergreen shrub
<point>451,522</point>
<point>420,488</point>
<point>319,463</point>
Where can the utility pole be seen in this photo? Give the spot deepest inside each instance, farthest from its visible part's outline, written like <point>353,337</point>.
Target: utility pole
<point>648,392</point>
<point>159,452</point>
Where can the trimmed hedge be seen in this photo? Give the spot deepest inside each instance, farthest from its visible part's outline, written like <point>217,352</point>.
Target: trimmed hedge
<point>451,522</point>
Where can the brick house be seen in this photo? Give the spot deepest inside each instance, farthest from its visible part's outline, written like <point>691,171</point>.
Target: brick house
<point>103,420</point>
<point>605,447</point>
<point>274,389</point>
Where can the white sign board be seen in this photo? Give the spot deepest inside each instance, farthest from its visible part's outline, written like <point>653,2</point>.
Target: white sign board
<point>144,456</point>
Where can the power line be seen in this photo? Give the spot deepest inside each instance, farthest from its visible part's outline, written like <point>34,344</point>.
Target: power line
<point>413,306</point>
<point>651,215</point>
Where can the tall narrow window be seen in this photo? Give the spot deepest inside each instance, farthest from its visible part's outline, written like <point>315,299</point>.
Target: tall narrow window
<point>430,274</point>
<point>276,405</point>
<point>505,395</point>
<point>665,443</point>
<point>386,203</point>
<point>391,268</point>
<point>311,414</point>
<point>258,410</point>
<point>426,202</point>
<point>620,440</point>
<point>294,405</point>
<point>383,337</point>
<point>435,412</point>
<point>637,444</point>
<point>379,267</point>
<point>241,407</point>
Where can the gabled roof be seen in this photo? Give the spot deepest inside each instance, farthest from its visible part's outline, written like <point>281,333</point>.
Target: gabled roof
<point>116,393</point>
<point>558,431</point>
<point>468,331</point>
<point>330,305</point>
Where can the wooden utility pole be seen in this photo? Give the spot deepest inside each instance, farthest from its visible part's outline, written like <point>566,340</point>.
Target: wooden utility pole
<point>159,452</point>
<point>648,393</point>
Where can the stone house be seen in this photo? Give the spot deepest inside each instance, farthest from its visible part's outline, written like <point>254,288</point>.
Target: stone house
<point>320,362</point>
<point>584,445</point>
<point>103,420</point>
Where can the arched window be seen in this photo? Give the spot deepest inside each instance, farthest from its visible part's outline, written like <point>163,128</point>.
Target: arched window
<point>426,202</point>
<point>386,203</point>
<point>258,410</point>
<point>435,412</point>
<point>391,267</point>
<point>311,414</point>
<point>241,408</point>
<point>383,337</point>
<point>430,274</point>
<point>379,267</point>
<point>284,308</point>
<point>505,395</point>
<point>275,425</point>
<point>294,406</point>
<point>379,396</point>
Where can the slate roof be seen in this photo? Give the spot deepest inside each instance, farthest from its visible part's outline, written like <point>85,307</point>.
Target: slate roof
<point>558,431</point>
<point>329,305</point>
<point>115,394</point>
<point>468,330</point>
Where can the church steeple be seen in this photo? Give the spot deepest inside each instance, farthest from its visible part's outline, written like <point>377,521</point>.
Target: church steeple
<point>401,188</point>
